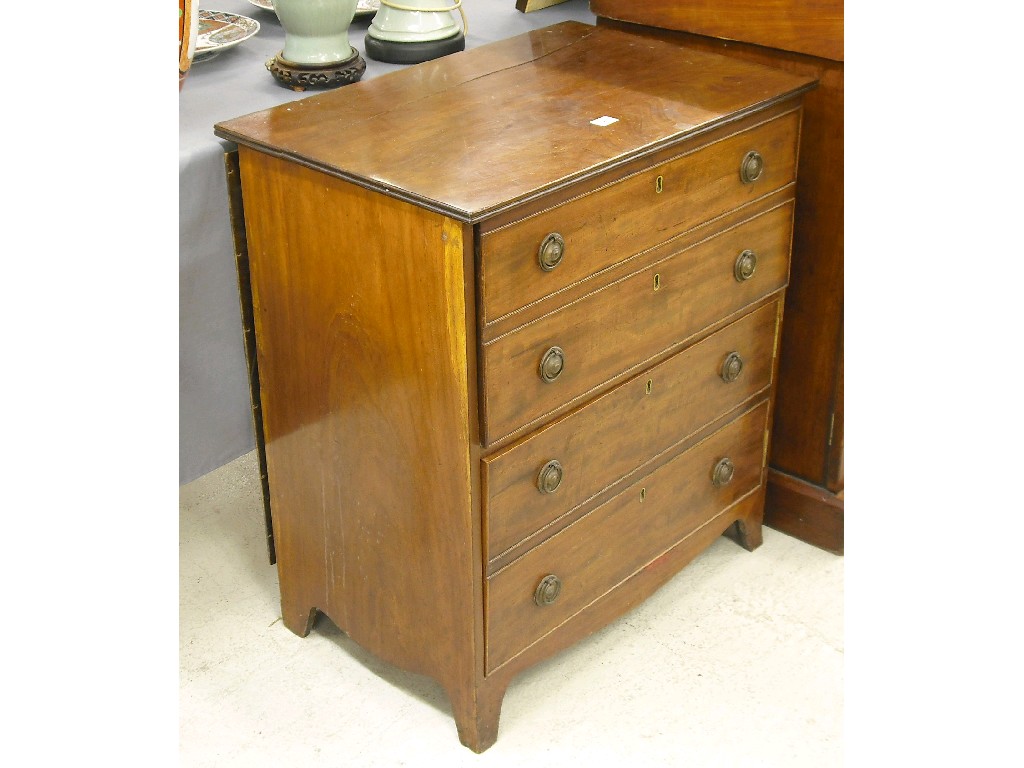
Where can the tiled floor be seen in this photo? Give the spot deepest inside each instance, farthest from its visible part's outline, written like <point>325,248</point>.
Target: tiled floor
<point>738,661</point>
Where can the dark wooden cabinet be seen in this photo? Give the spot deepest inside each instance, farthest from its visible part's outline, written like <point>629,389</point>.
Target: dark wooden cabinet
<point>805,37</point>
<point>517,313</point>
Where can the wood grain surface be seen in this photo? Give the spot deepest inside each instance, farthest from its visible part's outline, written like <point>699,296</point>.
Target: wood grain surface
<point>623,219</point>
<point>808,436</point>
<point>603,549</point>
<point>439,134</point>
<point>361,337</point>
<point>398,395</point>
<point>622,326</point>
<point>813,27</point>
<point>624,430</point>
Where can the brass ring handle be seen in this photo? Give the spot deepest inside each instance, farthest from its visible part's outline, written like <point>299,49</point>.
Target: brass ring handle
<point>732,367</point>
<point>722,473</point>
<point>551,364</point>
<point>549,477</point>
<point>548,590</point>
<point>551,250</point>
<point>746,264</point>
<point>751,167</point>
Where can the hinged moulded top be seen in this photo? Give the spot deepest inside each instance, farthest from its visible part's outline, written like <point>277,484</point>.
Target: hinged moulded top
<point>474,133</point>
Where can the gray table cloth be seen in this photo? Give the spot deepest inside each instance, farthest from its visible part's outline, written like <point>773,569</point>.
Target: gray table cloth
<point>215,424</point>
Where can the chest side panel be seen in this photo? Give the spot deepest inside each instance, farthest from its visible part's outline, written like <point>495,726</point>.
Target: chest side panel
<point>360,310</point>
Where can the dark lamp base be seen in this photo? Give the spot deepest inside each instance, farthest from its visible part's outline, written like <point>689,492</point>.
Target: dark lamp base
<point>391,52</point>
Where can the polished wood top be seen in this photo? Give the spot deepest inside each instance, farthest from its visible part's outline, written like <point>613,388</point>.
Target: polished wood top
<point>474,133</point>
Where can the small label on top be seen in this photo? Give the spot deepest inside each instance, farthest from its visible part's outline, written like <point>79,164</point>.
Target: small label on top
<point>601,122</point>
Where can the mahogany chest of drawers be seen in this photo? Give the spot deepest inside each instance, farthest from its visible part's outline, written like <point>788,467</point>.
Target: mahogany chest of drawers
<point>516,317</point>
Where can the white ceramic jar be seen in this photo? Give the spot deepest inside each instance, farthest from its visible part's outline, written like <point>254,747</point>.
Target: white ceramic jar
<point>402,25</point>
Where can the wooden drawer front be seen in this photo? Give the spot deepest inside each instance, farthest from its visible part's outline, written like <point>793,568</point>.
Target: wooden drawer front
<point>624,324</point>
<point>601,550</point>
<point>621,430</point>
<point>610,224</point>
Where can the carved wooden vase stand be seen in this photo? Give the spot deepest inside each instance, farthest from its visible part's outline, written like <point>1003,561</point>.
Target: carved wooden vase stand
<point>316,51</point>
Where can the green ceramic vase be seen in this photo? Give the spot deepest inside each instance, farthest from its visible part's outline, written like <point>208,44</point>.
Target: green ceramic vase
<point>316,31</point>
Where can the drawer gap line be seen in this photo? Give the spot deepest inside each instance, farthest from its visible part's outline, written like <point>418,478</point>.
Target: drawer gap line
<point>635,256</point>
<point>680,446</point>
<point>658,357</point>
<point>747,406</point>
<point>642,171</point>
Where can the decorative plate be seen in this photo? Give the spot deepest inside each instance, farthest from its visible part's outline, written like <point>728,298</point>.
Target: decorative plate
<point>219,31</point>
<point>363,7</point>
